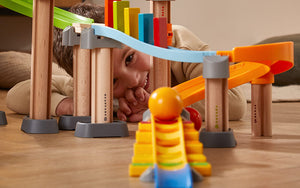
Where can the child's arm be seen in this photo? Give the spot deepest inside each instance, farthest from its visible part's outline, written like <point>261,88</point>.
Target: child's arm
<point>18,98</point>
<point>133,105</point>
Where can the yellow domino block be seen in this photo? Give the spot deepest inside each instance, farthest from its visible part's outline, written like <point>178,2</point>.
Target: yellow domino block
<point>131,21</point>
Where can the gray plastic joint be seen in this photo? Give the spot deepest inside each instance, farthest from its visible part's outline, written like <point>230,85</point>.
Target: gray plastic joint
<point>70,38</point>
<point>215,67</point>
<point>89,40</point>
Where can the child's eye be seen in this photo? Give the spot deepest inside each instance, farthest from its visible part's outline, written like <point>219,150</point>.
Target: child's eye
<point>128,59</point>
<point>115,80</point>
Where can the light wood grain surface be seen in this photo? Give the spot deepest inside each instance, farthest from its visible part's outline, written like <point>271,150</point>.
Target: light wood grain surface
<point>63,160</point>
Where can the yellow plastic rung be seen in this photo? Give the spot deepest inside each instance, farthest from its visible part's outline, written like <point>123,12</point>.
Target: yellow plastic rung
<point>167,136</point>
<point>172,149</point>
<point>168,142</point>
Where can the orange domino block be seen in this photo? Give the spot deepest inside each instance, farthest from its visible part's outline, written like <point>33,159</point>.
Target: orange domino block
<point>131,20</point>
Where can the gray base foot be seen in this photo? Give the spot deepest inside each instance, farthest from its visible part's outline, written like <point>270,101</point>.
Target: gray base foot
<point>3,120</point>
<point>95,130</point>
<point>217,139</point>
<point>37,126</point>
<point>69,122</point>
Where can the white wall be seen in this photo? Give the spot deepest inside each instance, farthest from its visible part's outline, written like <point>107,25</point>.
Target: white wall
<point>225,24</point>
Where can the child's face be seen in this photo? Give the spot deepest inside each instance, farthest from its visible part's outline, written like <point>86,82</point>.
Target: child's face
<point>131,70</point>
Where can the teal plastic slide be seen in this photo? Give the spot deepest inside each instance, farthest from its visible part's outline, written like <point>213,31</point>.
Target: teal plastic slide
<point>62,18</point>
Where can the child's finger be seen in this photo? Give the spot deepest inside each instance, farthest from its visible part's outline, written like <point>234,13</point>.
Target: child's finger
<point>140,94</point>
<point>124,107</point>
<point>130,97</point>
<point>136,117</point>
<point>121,116</point>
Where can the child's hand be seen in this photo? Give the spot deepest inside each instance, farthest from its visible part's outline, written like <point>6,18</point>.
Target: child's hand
<point>133,105</point>
<point>65,107</point>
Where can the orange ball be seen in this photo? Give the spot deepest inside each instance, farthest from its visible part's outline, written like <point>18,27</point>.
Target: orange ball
<point>165,104</point>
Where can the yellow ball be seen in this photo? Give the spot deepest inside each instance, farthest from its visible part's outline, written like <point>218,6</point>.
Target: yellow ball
<point>165,104</point>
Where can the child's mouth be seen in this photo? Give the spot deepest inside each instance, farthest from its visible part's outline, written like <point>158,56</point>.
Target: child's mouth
<point>146,85</point>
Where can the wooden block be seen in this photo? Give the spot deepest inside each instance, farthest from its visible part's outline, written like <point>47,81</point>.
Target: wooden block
<point>109,20</point>
<point>146,28</point>
<point>160,32</point>
<point>131,20</point>
<point>118,14</point>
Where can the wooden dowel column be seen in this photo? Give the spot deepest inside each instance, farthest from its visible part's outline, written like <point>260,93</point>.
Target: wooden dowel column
<point>217,133</point>
<point>160,74</point>
<point>261,107</point>
<point>102,86</point>
<point>82,81</point>
<point>41,62</point>
<point>216,73</point>
<point>216,104</point>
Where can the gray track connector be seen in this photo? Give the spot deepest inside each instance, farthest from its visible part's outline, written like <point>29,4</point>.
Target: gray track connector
<point>3,120</point>
<point>215,67</point>
<point>70,38</point>
<point>89,40</point>
<point>101,130</point>
<point>217,139</point>
<point>184,114</point>
<point>69,122</point>
<point>38,126</point>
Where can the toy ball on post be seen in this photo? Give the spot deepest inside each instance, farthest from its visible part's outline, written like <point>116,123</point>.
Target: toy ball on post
<point>165,104</point>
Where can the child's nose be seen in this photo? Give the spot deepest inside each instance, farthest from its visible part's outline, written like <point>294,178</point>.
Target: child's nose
<point>133,80</point>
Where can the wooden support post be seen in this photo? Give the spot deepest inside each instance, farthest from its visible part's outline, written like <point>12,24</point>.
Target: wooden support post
<point>261,106</point>
<point>41,62</point>
<point>216,105</point>
<point>82,81</point>
<point>102,86</point>
<point>160,73</point>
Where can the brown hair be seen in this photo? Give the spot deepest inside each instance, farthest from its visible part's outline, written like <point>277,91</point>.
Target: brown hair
<point>64,54</point>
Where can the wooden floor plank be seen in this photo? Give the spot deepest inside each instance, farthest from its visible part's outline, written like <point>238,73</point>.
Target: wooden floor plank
<point>63,160</point>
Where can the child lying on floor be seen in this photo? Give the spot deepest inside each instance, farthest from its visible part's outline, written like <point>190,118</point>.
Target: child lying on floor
<point>131,75</point>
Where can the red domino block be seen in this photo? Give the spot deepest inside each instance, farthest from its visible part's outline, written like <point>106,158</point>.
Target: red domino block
<point>160,32</point>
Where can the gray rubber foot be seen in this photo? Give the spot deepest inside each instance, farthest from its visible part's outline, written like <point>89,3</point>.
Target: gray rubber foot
<point>69,122</point>
<point>217,139</point>
<point>95,130</point>
<point>3,120</point>
<point>37,126</point>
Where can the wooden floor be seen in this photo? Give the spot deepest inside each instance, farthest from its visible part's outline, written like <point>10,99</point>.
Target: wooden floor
<point>63,160</point>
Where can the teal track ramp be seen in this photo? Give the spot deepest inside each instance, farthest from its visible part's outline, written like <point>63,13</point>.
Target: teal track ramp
<point>62,18</point>
<point>172,54</point>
